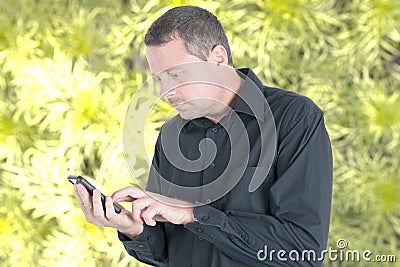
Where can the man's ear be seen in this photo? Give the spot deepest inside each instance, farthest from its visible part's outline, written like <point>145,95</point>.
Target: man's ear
<point>218,55</point>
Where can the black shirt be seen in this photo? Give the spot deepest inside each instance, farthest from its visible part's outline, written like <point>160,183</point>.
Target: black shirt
<point>289,210</point>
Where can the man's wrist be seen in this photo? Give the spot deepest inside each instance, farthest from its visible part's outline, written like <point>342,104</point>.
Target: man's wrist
<point>190,216</point>
<point>134,233</point>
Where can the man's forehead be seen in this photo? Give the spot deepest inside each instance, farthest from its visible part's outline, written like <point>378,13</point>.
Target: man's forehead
<point>167,56</point>
<point>175,43</point>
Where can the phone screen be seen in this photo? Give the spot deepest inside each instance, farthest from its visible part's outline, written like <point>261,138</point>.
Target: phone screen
<point>73,179</point>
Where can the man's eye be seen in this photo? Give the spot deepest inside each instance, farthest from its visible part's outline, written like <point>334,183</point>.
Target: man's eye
<point>175,74</point>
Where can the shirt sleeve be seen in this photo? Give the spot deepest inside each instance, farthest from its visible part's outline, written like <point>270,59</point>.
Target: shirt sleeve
<point>300,204</point>
<point>150,246</point>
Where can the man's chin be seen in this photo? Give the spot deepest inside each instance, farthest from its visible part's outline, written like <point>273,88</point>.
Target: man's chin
<point>188,116</point>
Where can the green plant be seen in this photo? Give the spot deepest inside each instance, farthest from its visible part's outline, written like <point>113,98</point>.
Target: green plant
<point>68,70</point>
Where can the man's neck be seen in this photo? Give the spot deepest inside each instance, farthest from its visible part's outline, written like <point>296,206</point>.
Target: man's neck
<point>235,84</point>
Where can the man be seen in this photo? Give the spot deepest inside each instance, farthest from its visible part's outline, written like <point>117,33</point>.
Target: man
<point>275,196</point>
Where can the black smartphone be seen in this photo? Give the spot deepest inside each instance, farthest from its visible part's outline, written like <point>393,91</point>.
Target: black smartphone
<point>73,179</point>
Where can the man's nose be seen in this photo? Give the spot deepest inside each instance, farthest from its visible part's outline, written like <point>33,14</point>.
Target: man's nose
<point>166,90</point>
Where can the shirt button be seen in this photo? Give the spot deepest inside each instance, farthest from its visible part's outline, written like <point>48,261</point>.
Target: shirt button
<point>205,218</point>
<point>214,130</point>
<point>200,238</point>
<point>199,229</point>
<point>233,236</point>
<point>212,165</point>
<point>148,237</point>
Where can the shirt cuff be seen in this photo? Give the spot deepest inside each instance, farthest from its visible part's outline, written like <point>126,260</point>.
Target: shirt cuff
<point>208,222</point>
<point>148,245</point>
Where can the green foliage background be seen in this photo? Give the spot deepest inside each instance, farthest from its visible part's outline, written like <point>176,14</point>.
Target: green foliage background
<point>69,68</point>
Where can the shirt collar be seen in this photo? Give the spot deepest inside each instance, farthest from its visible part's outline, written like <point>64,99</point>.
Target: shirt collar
<point>250,99</point>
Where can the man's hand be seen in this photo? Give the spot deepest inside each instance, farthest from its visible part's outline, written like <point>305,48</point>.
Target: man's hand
<point>94,213</point>
<point>151,207</point>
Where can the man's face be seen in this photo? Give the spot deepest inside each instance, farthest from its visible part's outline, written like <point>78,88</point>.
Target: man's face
<point>178,74</point>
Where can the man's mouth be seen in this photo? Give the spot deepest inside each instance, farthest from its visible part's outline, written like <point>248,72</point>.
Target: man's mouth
<point>178,106</point>
<point>175,104</point>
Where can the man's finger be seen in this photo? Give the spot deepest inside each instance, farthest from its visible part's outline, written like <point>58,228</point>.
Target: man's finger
<point>84,199</point>
<point>110,212</point>
<point>124,199</point>
<point>138,206</point>
<point>97,205</point>
<point>129,192</point>
<point>149,215</point>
